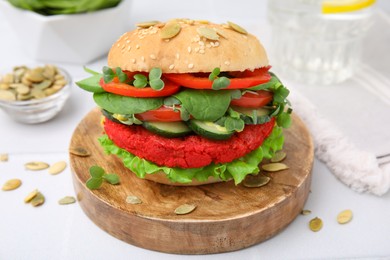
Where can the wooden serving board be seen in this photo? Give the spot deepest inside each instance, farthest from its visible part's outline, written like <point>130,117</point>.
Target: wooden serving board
<point>227,217</point>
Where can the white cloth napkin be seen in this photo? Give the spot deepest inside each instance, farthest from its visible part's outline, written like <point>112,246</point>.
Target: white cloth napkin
<point>357,169</point>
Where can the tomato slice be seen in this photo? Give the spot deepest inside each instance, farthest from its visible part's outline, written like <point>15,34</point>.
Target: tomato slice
<point>241,80</point>
<point>162,114</point>
<point>124,89</point>
<point>253,99</point>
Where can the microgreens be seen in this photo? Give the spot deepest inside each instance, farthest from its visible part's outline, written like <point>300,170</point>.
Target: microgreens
<point>218,82</point>
<point>98,175</point>
<point>233,121</point>
<point>155,81</point>
<point>109,74</point>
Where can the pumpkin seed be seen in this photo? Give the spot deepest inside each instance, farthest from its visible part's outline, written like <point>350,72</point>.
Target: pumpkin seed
<point>35,76</point>
<point>8,78</point>
<point>42,85</point>
<point>278,156</point>
<point>237,28</point>
<point>57,167</point>
<point>7,95</point>
<point>67,200</point>
<point>147,24</point>
<point>49,71</point>
<point>26,84</point>
<point>344,216</point>
<point>208,33</point>
<point>253,181</point>
<point>305,212</point>
<point>38,200</point>
<point>11,184</point>
<point>133,200</point>
<point>4,86</point>
<point>30,196</point>
<point>185,209</point>
<point>315,224</point>
<point>221,33</point>
<point>170,30</point>
<point>23,89</point>
<point>36,166</point>
<point>79,151</point>
<point>3,157</point>
<point>274,167</point>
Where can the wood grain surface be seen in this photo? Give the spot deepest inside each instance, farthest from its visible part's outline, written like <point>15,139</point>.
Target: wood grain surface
<point>227,217</point>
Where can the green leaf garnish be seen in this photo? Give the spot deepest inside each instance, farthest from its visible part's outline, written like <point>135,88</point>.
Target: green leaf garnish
<point>155,73</point>
<point>121,75</point>
<point>156,84</point>
<point>94,183</point>
<point>234,124</point>
<point>98,175</point>
<point>140,81</point>
<point>96,171</point>
<point>108,74</point>
<point>112,178</point>
<point>218,82</point>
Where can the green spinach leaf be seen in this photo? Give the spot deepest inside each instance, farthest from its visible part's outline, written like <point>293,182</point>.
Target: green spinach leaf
<point>126,105</point>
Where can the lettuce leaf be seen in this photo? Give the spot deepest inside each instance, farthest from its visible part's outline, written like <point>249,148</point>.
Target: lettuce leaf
<point>237,169</point>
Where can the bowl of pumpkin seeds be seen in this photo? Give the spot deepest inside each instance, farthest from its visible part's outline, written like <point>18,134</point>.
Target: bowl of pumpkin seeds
<point>34,94</point>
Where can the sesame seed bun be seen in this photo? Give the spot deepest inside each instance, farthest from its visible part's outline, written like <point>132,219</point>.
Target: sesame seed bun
<point>188,51</point>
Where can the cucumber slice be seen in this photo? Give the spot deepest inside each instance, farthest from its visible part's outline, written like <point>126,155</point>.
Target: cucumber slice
<point>254,116</point>
<point>168,129</point>
<point>209,130</point>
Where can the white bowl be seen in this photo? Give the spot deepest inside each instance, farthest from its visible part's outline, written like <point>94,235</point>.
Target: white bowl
<point>39,110</point>
<point>74,38</point>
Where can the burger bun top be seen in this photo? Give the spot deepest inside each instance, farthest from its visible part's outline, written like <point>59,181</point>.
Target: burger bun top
<point>198,46</point>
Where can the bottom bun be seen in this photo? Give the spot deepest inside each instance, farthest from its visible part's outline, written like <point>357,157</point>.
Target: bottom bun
<point>161,177</point>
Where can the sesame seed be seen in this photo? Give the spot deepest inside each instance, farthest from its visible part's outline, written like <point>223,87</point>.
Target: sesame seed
<point>128,48</point>
<point>172,66</point>
<point>128,41</point>
<point>190,66</point>
<point>133,61</point>
<point>189,49</point>
<point>216,44</point>
<point>152,56</point>
<point>166,40</point>
<point>201,51</point>
<point>196,49</point>
<point>137,46</point>
<point>202,47</point>
<point>201,43</point>
<point>227,63</point>
<point>143,58</point>
<point>118,45</point>
<point>177,55</point>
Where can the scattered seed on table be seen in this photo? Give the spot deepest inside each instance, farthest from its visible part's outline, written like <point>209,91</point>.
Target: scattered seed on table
<point>11,184</point>
<point>67,200</point>
<point>38,200</point>
<point>30,196</point>
<point>3,157</point>
<point>344,216</point>
<point>36,166</point>
<point>57,167</point>
<point>315,224</point>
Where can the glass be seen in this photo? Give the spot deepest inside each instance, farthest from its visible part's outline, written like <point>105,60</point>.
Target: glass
<point>312,47</point>
<point>38,110</point>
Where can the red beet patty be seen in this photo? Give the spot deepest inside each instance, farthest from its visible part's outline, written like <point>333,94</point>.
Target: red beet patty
<point>186,152</point>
